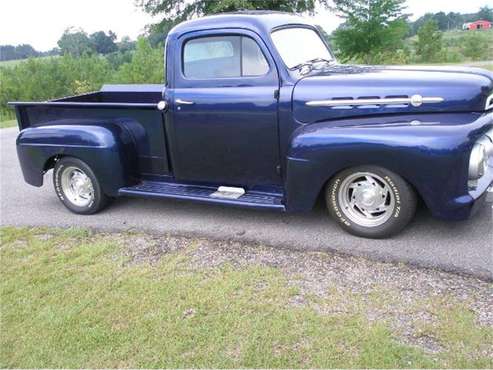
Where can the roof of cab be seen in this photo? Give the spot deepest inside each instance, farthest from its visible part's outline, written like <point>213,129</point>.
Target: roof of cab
<point>258,21</point>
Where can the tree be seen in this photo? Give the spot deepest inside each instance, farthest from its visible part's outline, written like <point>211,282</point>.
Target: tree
<point>7,52</point>
<point>456,20</point>
<point>442,21</point>
<point>445,22</point>
<point>126,44</point>
<point>75,42</point>
<point>103,43</point>
<point>371,28</point>
<point>418,23</point>
<point>23,51</point>
<point>429,44</point>
<point>180,10</point>
<point>176,11</point>
<point>46,78</point>
<point>146,65</point>
<point>51,52</point>
<point>157,32</point>
<point>486,13</point>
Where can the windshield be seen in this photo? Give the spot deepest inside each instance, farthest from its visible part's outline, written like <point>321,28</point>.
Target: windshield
<point>298,45</point>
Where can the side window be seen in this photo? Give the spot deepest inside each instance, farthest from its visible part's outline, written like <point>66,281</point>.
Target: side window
<point>222,57</point>
<point>212,57</point>
<point>253,61</point>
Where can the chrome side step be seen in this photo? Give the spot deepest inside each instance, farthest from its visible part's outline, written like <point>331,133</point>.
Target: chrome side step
<point>226,192</point>
<point>207,194</point>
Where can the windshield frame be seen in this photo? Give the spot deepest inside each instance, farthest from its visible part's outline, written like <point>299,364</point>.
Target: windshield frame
<point>299,25</point>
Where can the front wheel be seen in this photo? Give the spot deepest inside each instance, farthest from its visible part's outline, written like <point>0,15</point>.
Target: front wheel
<point>370,201</point>
<point>77,187</point>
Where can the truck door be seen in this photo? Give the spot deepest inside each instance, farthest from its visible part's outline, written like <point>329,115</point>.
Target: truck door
<point>224,124</point>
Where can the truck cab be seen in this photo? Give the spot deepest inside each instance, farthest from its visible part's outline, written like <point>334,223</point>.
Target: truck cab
<point>256,112</point>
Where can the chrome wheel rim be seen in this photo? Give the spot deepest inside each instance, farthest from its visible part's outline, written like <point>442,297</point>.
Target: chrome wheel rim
<point>77,187</point>
<point>366,199</point>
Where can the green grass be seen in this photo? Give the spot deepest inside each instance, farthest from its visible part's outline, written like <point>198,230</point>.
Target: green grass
<point>13,63</point>
<point>486,66</point>
<point>9,123</point>
<point>458,34</point>
<point>72,299</point>
<point>452,43</point>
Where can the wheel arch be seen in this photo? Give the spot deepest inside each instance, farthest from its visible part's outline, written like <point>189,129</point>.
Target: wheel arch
<point>306,180</point>
<point>51,161</point>
<point>100,147</point>
<point>433,161</point>
<point>321,192</point>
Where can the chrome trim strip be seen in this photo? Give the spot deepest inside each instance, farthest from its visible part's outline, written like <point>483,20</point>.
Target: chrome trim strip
<point>82,104</point>
<point>415,101</point>
<point>489,102</point>
<point>185,102</point>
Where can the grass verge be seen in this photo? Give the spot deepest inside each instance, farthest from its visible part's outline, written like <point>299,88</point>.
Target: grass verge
<point>9,123</point>
<point>73,299</point>
<point>487,66</point>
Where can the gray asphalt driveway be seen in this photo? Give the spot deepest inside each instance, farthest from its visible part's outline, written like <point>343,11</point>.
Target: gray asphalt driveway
<point>465,247</point>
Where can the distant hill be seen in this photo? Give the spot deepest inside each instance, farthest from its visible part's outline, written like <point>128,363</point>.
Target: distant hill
<point>23,51</point>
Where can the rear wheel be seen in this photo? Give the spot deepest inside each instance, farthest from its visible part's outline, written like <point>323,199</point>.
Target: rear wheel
<point>370,201</point>
<point>77,187</point>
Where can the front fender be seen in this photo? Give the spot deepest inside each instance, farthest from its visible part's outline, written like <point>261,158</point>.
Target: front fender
<point>430,151</point>
<point>107,148</point>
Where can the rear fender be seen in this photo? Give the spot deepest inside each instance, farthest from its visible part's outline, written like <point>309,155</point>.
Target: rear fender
<point>107,148</point>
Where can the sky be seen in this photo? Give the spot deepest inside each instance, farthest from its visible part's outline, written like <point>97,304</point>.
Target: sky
<point>42,22</point>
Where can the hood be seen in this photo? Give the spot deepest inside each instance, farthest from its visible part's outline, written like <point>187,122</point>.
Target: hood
<point>343,91</point>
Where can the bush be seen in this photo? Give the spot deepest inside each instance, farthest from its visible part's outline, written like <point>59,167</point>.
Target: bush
<point>475,45</point>
<point>452,56</point>
<point>146,65</point>
<point>118,58</point>
<point>48,78</point>
<point>400,56</point>
<point>42,79</point>
<point>429,44</point>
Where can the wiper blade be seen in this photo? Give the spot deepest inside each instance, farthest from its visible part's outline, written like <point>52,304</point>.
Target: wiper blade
<point>298,66</point>
<point>320,60</point>
<point>309,64</point>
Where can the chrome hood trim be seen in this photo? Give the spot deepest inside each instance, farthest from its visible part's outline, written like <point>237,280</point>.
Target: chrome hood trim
<point>415,101</point>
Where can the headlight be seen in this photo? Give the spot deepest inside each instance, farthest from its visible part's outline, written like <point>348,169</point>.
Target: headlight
<point>489,103</point>
<point>478,161</point>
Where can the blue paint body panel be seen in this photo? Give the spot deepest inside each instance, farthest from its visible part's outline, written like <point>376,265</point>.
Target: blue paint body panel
<point>430,151</point>
<point>259,133</point>
<point>107,147</point>
<point>462,92</point>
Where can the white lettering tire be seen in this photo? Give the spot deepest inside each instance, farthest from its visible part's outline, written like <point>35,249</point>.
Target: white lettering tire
<point>370,201</point>
<point>77,187</point>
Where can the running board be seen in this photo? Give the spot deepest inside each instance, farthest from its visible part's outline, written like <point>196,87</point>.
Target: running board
<point>206,194</point>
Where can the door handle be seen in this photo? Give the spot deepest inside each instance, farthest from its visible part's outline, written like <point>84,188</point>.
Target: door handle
<point>184,102</point>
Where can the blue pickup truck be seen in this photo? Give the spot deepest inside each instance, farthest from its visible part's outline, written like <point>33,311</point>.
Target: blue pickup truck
<point>256,112</point>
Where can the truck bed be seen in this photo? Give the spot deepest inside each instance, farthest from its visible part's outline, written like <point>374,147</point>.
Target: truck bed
<point>119,94</point>
<point>116,96</point>
<point>131,106</point>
